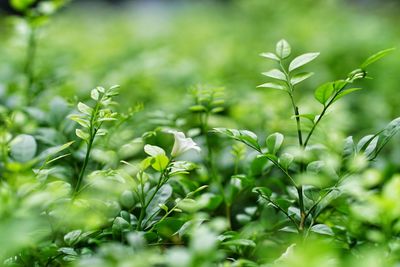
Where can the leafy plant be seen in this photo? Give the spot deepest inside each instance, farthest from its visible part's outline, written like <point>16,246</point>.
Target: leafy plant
<point>310,199</point>
<point>91,120</point>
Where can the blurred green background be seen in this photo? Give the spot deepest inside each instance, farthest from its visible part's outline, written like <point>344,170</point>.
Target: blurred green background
<point>157,50</point>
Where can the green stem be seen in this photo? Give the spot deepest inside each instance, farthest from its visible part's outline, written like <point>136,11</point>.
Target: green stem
<point>228,215</point>
<point>300,138</point>
<point>93,131</point>
<point>160,183</point>
<point>85,163</point>
<point>322,114</point>
<point>282,210</point>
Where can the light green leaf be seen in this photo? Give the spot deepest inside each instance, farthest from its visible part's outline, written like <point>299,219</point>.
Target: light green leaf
<point>153,150</point>
<point>263,191</point>
<point>270,55</point>
<point>302,60</point>
<point>349,147</point>
<point>275,74</point>
<point>198,108</point>
<point>273,86</point>
<point>298,78</point>
<point>322,229</point>
<point>346,92</point>
<point>72,237</point>
<point>23,147</point>
<point>283,49</point>
<point>274,142</point>
<point>82,134</point>
<point>240,243</point>
<point>376,57</point>
<point>160,162</point>
<point>247,137</point>
<point>94,94</point>
<point>80,120</point>
<point>285,160</point>
<point>324,92</point>
<point>85,109</point>
<point>21,5</point>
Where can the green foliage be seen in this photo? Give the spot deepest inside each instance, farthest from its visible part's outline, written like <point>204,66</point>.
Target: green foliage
<point>88,180</point>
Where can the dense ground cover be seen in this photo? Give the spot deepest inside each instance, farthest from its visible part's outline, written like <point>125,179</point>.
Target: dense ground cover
<point>195,158</point>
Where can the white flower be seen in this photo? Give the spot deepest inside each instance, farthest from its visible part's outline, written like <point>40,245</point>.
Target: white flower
<point>182,144</point>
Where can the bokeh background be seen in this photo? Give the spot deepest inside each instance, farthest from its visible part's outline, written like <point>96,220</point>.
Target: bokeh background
<point>157,50</point>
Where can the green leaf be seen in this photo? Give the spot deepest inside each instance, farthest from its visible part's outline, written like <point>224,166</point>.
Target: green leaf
<point>127,199</point>
<point>299,77</point>
<point>263,191</point>
<point>198,108</point>
<point>324,92</point>
<point>302,60</point>
<point>283,49</point>
<point>275,74</point>
<point>160,162</point>
<point>387,133</point>
<point>349,147</point>
<point>322,229</point>
<point>217,110</point>
<point>270,55</point>
<point>273,86</point>
<point>119,225</point>
<point>274,142</point>
<point>23,147</point>
<point>239,243</point>
<point>68,251</point>
<point>376,57</point>
<point>153,150</point>
<point>21,5</point>
<point>85,109</point>
<point>310,117</point>
<point>285,160</point>
<point>346,92</point>
<point>161,197</point>
<point>94,94</point>
<point>82,134</point>
<point>392,128</point>
<point>247,137</point>
<point>80,120</point>
<point>72,237</point>
<point>364,142</point>
<point>370,149</point>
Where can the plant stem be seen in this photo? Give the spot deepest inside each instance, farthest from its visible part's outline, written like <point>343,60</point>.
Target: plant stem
<point>85,163</point>
<point>160,183</point>
<point>322,114</point>
<point>300,138</point>
<point>282,210</point>
<point>93,131</point>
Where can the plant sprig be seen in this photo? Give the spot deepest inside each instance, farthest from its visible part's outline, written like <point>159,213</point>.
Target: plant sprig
<point>91,119</point>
